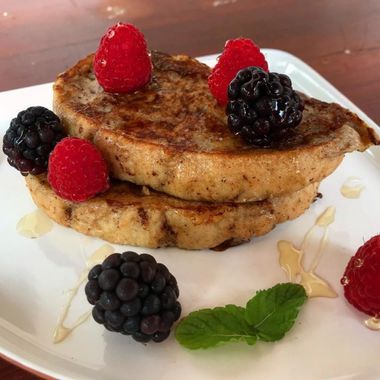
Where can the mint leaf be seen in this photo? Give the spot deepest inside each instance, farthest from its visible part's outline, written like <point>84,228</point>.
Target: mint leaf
<point>272,312</point>
<point>209,327</point>
<point>268,316</point>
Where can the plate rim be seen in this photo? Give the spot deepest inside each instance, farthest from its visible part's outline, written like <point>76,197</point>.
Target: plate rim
<point>44,371</point>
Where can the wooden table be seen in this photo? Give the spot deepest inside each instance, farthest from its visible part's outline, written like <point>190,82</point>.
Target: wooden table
<point>339,38</point>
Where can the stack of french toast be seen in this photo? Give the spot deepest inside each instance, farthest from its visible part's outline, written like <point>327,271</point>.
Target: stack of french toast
<point>179,176</point>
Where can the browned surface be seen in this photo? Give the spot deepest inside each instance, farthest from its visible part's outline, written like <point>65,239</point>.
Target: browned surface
<point>177,111</point>
<point>172,135</point>
<point>340,38</point>
<point>126,214</point>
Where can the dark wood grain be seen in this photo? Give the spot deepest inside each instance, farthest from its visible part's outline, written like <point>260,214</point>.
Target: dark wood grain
<point>339,38</point>
<point>11,372</point>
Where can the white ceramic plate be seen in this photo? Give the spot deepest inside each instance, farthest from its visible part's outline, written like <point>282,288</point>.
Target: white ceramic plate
<point>327,342</point>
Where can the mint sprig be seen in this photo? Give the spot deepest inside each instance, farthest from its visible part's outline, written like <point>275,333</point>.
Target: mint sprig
<point>267,317</point>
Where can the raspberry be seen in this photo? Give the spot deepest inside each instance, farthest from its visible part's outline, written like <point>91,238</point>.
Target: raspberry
<point>122,62</point>
<point>237,54</point>
<point>77,170</point>
<point>361,279</point>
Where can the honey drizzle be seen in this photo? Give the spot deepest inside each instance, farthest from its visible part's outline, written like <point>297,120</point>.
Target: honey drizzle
<point>61,332</point>
<point>291,259</point>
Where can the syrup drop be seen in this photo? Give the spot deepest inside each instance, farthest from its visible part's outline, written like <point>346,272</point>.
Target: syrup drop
<point>352,188</point>
<point>373,323</point>
<point>358,262</point>
<point>326,218</point>
<point>34,225</point>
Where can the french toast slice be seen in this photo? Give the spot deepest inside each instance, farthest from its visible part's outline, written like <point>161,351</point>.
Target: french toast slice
<point>136,215</point>
<point>172,135</point>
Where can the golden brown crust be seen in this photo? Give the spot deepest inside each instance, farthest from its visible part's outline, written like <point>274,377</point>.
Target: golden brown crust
<point>172,136</point>
<point>134,215</point>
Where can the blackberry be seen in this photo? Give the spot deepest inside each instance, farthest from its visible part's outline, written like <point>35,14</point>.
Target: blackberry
<point>263,108</point>
<point>134,295</point>
<point>30,138</point>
